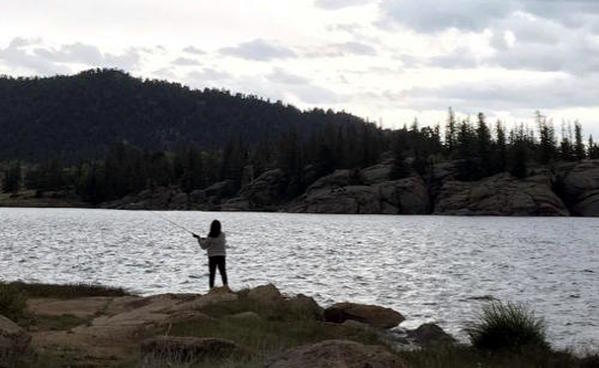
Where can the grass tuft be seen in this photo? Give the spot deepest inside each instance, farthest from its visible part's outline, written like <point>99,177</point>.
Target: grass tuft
<point>68,291</point>
<point>507,326</point>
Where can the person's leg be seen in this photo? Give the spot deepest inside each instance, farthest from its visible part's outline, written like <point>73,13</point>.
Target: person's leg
<point>212,268</point>
<point>222,269</point>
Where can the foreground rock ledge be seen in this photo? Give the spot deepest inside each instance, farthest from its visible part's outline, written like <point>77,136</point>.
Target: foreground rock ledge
<point>14,341</point>
<point>117,328</point>
<point>373,315</point>
<point>336,354</point>
<point>186,349</point>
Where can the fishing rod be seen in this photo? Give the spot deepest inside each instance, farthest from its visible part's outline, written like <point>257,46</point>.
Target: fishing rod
<point>172,222</point>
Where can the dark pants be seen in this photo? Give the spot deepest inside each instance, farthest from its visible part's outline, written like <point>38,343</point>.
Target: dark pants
<point>217,261</point>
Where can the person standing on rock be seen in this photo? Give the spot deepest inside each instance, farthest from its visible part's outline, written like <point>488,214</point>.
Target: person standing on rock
<point>215,245</point>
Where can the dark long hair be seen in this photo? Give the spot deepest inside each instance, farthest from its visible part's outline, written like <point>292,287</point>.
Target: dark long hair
<point>214,229</point>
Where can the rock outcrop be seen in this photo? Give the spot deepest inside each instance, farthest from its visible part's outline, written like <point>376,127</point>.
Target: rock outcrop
<point>266,191</point>
<point>265,294</point>
<point>429,334</point>
<point>336,354</point>
<point>500,195</point>
<point>161,198</point>
<point>581,188</point>
<point>407,196</point>
<point>14,341</point>
<point>372,315</point>
<point>366,192</point>
<point>556,191</point>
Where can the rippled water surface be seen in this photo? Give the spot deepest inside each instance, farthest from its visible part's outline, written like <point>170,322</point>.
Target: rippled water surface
<point>430,268</point>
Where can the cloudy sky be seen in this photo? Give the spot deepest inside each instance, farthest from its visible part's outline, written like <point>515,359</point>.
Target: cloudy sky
<point>389,61</point>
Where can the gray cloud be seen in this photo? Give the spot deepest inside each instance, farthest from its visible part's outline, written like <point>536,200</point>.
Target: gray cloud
<point>128,60</point>
<point>17,56</point>
<point>476,15</point>
<point>460,58</point>
<point>438,15</point>
<point>183,61</point>
<point>73,53</point>
<point>193,50</point>
<point>342,49</point>
<point>339,4</point>
<point>555,94</point>
<point>207,75</point>
<point>281,76</point>
<point>31,54</point>
<point>164,73</point>
<point>357,48</point>
<point>260,50</point>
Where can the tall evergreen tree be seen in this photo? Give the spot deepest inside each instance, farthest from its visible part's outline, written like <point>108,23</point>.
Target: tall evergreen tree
<point>593,149</point>
<point>519,152</point>
<point>547,150</point>
<point>501,152</point>
<point>451,131</point>
<point>579,151</point>
<point>483,136</point>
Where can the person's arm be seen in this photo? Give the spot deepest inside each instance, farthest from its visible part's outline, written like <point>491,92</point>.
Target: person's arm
<point>203,242</point>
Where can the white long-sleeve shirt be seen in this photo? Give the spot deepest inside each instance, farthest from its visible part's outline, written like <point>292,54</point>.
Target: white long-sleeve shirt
<point>214,246</point>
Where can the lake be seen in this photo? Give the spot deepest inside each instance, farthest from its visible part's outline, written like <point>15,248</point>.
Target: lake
<point>430,268</point>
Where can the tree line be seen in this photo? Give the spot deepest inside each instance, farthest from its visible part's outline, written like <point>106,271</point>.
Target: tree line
<point>478,148</point>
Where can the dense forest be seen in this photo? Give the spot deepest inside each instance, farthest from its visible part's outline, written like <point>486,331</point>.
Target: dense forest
<point>103,134</point>
<point>81,116</point>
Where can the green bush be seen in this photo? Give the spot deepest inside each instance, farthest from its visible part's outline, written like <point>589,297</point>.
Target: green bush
<point>507,326</point>
<point>12,301</point>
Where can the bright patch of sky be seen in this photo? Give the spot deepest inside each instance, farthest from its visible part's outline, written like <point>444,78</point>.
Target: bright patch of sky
<point>387,60</point>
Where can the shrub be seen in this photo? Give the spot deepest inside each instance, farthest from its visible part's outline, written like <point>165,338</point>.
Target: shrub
<point>12,301</point>
<point>507,326</point>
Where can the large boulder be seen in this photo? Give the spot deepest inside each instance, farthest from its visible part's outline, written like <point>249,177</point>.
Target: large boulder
<point>220,190</point>
<point>149,199</point>
<point>581,188</point>
<point>14,341</point>
<point>500,195</point>
<point>266,190</point>
<point>350,199</point>
<point>407,196</point>
<point>368,191</point>
<point>265,294</point>
<point>375,174</point>
<point>236,204</point>
<point>373,315</point>
<point>186,349</point>
<point>430,334</point>
<point>305,306</point>
<point>336,354</point>
<point>338,179</point>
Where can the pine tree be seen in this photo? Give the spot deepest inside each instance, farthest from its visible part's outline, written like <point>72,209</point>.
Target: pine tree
<point>547,150</point>
<point>519,152</point>
<point>593,149</point>
<point>484,143</point>
<point>450,132</point>
<point>501,147</point>
<point>566,151</point>
<point>579,151</point>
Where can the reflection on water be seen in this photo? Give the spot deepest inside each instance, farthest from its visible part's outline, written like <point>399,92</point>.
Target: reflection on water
<point>430,268</point>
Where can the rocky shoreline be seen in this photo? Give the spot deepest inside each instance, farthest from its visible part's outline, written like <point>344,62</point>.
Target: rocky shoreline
<point>152,331</point>
<point>79,326</point>
<point>566,189</point>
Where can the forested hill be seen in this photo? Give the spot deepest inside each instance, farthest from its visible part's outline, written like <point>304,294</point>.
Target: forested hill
<point>80,116</point>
